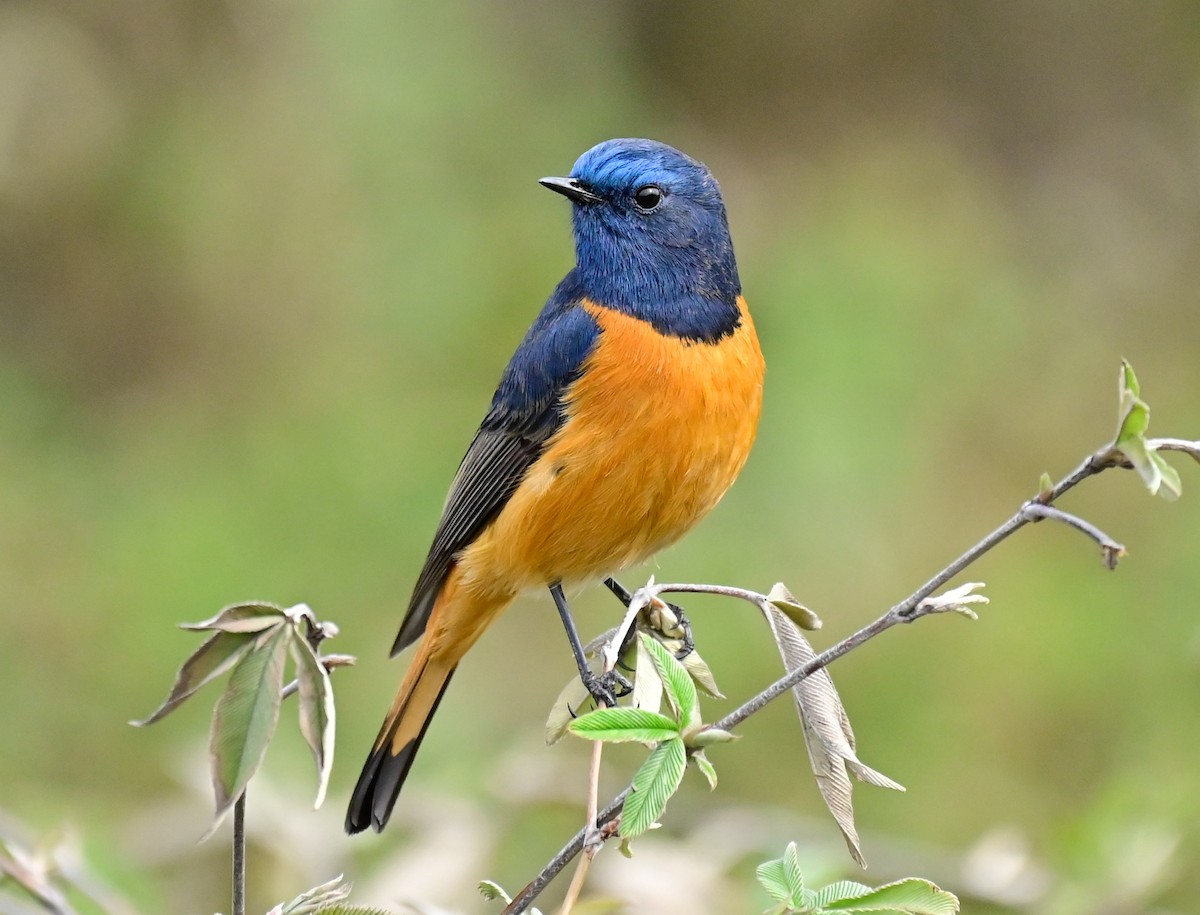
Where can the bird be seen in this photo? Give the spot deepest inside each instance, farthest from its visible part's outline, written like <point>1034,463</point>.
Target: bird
<point>626,412</point>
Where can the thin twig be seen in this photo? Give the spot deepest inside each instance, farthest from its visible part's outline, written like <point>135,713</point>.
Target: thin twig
<point>1111,549</point>
<point>1175,444</point>
<point>593,841</point>
<point>908,610</point>
<point>239,855</point>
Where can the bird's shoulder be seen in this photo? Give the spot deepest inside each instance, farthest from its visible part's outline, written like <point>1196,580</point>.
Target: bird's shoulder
<point>528,399</point>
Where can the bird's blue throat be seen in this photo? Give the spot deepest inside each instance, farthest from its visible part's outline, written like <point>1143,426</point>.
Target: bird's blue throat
<point>688,291</point>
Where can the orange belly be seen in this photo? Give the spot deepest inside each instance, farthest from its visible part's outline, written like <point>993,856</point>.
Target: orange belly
<point>657,430</point>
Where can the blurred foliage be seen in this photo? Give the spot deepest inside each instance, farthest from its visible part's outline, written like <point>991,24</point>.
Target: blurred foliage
<point>262,262</point>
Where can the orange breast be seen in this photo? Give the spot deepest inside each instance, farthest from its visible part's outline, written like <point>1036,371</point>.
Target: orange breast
<point>657,430</point>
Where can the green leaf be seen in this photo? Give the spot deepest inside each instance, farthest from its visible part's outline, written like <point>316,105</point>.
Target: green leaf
<point>491,890</point>
<point>791,871</point>
<point>773,878</point>
<point>621,725</point>
<point>1170,486</point>
<point>1129,380</point>
<point>1045,484</point>
<point>707,769</point>
<point>1133,421</point>
<point>910,896</point>
<point>219,653</point>
<point>317,719</point>
<point>245,717</point>
<point>840,891</point>
<point>680,689</point>
<point>255,616</point>
<point>653,785</point>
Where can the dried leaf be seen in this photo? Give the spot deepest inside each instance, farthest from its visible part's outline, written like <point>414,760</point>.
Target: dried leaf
<point>573,700</point>
<point>320,898</point>
<point>647,684</point>
<point>255,616</point>
<point>245,718</point>
<point>700,672</point>
<point>219,653</point>
<point>784,600</point>
<point>827,732</point>
<point>317,718</point>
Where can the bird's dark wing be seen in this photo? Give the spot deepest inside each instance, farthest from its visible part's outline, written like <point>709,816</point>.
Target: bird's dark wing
<point>526,411</point>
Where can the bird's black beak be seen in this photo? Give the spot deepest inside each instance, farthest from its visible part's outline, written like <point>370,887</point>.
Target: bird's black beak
<point>571,189</point>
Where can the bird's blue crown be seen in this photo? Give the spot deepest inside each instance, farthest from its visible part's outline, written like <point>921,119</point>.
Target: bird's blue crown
<point>655,244</point>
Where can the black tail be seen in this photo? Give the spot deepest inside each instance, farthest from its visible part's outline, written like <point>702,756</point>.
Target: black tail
<point>384,773</point>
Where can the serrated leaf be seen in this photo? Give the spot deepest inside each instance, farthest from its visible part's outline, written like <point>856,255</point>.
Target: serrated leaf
<point>653,785</point>
<point>910,896</point>
<point>647,684</point>
<point>353,910</point>
<point>786,602</point>
<point>677,682</point>
<point>255,616</point>
<point>219,653</point>
<point>623,724</point>
<point>707,769</point>
<point>573,700</point>
<point>245,718</point>
<point>791,871</point>
<point>701,674</point>
<point>773,878</point>
<point>317,714</point>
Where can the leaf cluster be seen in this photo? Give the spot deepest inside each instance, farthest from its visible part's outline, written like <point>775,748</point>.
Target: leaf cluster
<point>254,641</point>
<point>784,883</point>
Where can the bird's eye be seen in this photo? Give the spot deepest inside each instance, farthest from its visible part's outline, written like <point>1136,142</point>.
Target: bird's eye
<point>648,197</point>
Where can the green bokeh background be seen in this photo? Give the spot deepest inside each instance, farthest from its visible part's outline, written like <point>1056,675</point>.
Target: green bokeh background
<point>261,264</point>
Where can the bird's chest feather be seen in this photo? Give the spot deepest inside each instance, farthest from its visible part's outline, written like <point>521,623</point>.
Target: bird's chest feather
<point>656,431</point>
<point>664,411</point>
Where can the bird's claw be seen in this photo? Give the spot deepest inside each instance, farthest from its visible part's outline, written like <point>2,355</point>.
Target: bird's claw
<point>608,687</point>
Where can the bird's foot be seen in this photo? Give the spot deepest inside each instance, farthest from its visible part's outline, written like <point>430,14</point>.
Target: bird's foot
<point>608,687</point>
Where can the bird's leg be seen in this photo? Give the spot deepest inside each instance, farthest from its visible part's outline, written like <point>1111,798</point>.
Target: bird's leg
<point>623,595</point>
<point>603,687</point>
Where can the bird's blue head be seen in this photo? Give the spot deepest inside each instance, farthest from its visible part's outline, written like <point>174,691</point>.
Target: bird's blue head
<point>651,237</point>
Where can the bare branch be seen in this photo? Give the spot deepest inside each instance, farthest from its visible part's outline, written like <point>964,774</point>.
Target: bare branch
<point>1175,444</point>
<point>1112,550</point>
<point>909,610</point>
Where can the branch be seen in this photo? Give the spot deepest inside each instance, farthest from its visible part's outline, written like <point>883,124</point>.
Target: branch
<point>912,608</point>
